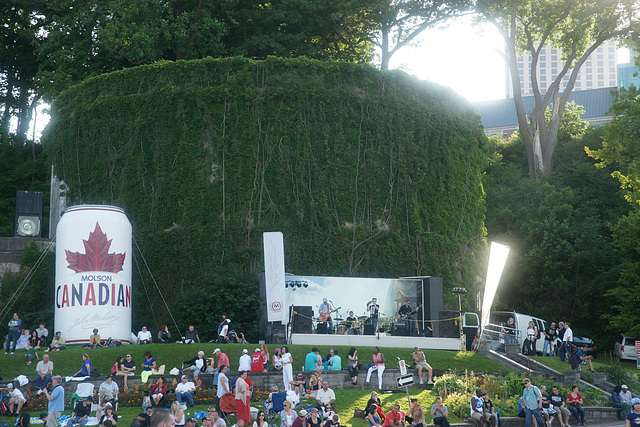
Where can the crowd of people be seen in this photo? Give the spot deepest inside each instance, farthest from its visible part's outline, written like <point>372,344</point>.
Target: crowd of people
<point>536,403</point>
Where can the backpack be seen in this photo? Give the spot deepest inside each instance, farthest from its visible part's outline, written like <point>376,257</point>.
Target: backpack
<point>94,373</point>
<point>575,361</point>
<point>24,420</point>
<point>4,409</point>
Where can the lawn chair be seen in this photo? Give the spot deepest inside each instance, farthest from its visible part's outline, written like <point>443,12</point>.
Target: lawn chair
<point>83,390</point>
<point>275,406</point>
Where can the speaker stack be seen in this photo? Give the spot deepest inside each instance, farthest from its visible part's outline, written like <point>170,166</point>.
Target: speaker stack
<point>28,213</point>
<point>302,319</point>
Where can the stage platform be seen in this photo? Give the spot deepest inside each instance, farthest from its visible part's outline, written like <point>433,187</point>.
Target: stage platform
<point>372,340</point>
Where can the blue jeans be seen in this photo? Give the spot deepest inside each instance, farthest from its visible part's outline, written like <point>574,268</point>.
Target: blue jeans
<point>547,345</point>
<point>42,383</point>
<point>575,410</point>
<point>77,420</point>
<point>12,341</point>
<point>186,395</point>
<point>509,339</point>
<point>528,413</point>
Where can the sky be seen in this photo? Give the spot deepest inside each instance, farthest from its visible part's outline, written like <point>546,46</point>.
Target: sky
<point>462,56</point>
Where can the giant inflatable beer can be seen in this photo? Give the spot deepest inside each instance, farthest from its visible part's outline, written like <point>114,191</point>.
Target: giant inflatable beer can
<point>93,274</point>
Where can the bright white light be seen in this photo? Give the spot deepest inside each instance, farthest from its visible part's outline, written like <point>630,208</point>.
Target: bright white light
<point>497,259</point>
<point>462,56</point>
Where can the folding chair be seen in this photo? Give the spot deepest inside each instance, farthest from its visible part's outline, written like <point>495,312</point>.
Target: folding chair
<point>82,390</point>
<point>227,405</point>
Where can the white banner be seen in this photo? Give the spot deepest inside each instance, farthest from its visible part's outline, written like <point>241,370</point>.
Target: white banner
<point>274,276</point>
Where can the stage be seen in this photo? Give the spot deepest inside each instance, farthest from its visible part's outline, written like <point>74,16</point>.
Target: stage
<point>384,340</point>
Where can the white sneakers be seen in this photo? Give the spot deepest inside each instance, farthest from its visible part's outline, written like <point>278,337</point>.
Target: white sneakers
<point>429,381</point>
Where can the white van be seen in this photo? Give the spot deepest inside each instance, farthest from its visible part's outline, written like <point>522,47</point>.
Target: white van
<point>625,347</point>
<point>499,319</point>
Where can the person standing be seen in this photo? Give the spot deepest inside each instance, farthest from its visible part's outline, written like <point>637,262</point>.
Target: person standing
<point>287,367</point>
<point>550,335</point>
<point>509,332</point>
<point>567,342</point>
<point>242,398</point>
<point>532,403</point>
<point>14,334</point>
<point>324,314</point>
<point>55,405</point>
<point>406,312</point>
<point>374,310</point>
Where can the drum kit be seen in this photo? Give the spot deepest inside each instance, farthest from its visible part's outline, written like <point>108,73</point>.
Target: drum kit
<point>343,327</point>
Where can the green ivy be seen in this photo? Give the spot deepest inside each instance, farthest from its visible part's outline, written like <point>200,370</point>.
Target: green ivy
<point>367,173</point>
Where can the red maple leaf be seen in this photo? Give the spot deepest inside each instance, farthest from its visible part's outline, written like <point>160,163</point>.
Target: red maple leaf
<point>96,256</point>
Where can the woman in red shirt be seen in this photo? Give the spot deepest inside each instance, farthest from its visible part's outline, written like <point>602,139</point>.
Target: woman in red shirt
<point>574,400</point>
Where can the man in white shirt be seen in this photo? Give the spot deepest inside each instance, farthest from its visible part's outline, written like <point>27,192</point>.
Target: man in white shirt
<point>108,390</point>
<point>185,390</point>
<point>325,395</point>
<point>144,336</point>
<point>44,368</point>
<point>16,399</point>
<point>625,395</point>
<point>567,341</point>
<point>223,335</point>
<point>245,361</point>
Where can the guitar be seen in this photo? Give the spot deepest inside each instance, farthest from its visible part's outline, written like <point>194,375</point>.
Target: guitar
<point>407,315</point>
<point>324,315</point>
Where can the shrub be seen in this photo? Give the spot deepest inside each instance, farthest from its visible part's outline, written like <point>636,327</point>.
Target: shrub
<point>450,383</point>
<point>458,403</point>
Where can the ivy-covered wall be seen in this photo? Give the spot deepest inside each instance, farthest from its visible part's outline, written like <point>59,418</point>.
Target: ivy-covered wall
<point>367,173</point>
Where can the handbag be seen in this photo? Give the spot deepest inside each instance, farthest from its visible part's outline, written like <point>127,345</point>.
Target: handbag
<point>358,413</point>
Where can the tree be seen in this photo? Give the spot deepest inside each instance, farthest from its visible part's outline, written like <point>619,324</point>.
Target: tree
<point>318,29</point>
<point>578,27</point>
<point>85,39</point>
<point>397,23</point>
<point>19,24</point>
<point>621,152</point>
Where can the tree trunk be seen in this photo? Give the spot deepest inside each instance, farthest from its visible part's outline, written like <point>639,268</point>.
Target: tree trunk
<point>384,50</point>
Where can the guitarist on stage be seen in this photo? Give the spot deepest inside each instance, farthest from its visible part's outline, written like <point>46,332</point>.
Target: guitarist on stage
<point>405,312</point>
<point>325,311</point>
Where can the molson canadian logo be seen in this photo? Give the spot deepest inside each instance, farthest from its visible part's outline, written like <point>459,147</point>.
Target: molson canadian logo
<point>94,289</point>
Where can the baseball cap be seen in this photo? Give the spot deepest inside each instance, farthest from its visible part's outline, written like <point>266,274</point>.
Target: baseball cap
<point>216,350</point>
<point>302,413</point>
<point>191,420</point>
<point>635,401</point>
<point>416,348</point>
<point>257,350</point>
<point>10,385</point>
<point>245,351</point>
<point>623,386</point>
<point>184,377</point>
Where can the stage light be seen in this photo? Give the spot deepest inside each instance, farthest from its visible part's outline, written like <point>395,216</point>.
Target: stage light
<point>28,226</point>
<point>497,259</point>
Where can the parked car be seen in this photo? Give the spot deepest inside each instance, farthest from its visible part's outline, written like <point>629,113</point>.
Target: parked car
<point>580,340</point>
<point>625,347</point>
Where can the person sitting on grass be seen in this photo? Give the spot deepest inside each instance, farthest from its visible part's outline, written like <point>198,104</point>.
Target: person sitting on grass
<point>34,346</point>
<point>57,344</point>
<point>80,414</point>
<point>585,358</point>
<point>395,417</point>
<point>94,340</point>
<point>85,370</point>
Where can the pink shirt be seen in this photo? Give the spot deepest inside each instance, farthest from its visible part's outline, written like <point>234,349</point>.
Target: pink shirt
<point>223,360</point>
<point>377,359</point>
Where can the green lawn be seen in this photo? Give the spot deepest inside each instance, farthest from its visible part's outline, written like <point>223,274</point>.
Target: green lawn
<point>68,362</point>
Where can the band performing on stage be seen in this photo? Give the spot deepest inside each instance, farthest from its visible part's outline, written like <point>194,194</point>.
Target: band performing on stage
<point>404,322</point>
